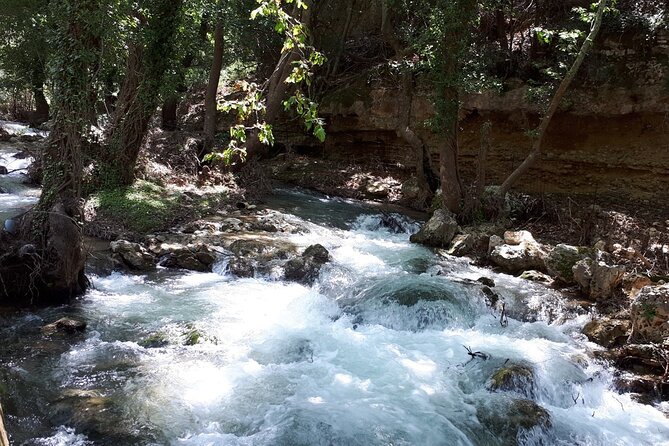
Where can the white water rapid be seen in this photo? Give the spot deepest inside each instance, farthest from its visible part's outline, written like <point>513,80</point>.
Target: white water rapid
<point>371,354</point>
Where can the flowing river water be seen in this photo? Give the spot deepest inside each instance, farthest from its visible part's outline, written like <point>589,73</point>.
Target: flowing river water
<point>373,353</point>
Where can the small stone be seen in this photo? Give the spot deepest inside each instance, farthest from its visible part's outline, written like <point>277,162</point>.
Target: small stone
<point>536,276</point>
<point>518,237</point>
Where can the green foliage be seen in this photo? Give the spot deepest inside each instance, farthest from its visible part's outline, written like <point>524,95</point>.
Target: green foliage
<point>251,107</point>
<point>144,206</point>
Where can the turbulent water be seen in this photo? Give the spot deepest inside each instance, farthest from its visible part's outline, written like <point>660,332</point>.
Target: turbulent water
<point>371,354</point>
<point>15,196</point>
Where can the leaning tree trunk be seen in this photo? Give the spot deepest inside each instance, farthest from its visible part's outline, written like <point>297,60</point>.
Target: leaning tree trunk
<point>537,146</point>
<point>45,261</point>
<point>210,109</point>
<point>139,95</point>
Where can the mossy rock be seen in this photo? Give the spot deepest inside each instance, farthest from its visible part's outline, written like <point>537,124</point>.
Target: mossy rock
<point>155,340</point>
<point>517,378</point>
<point>561,260</point>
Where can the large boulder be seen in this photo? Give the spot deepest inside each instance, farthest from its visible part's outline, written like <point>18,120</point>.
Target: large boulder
<point>132,255</point>
<point>607,332</point>
<point>650,314</point>
<point>561,261</point>
<point>520,252</point>
<point>305,268</point>
<point>597,279</point>
<point>438,231</point>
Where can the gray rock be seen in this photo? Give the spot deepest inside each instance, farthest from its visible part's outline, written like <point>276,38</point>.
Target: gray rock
<point>3,170</point>
<point>517,258</point>
<point>518,237</point>
<point>462,245</point>
<point>649,313</point>
<point>438,231</point>
<point>192,257</point>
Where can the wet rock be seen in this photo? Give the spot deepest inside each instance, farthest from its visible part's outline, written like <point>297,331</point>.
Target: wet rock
<point>509,420</point>
<point>461,245</point>
<point>438,231</point>
<point>305,269</point>
<point>93,413</point>
<point>197,257</point>
<point>377,189</point>
<point>517,378</point>
<point>241,267</point>
<point>536,276</point>
<point>561,260</point>
<point>487,281</point>
<point>518,258</point>
<point>4,135</point>
<point>155,340</point>
<point>597,279</point>
<point>65,325</point>
<point>132,255</point>
<point>649,313</point>
<point>3,170</point>
<point>607,332</point>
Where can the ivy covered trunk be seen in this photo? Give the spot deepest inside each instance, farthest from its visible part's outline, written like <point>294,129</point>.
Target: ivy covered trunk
<point>148,60</point>
<point>44,262</point>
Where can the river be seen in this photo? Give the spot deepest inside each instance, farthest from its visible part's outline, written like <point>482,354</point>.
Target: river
<point>373,353</point>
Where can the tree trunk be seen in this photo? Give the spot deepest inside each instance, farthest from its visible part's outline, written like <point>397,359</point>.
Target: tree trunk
<point>139,94</point>
<point>210,109</point>
<point>451,190</point>
<point>537,146</point>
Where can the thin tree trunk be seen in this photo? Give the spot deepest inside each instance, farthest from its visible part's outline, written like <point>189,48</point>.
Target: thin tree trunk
<point>210,109</point>
<point>537,146</point>
<point>4,440</point>
<point>451,190</point>
<point>342,41</point>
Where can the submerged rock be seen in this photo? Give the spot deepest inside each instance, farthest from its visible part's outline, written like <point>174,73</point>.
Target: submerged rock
<point>438,231</point>
<point>517,378</point>
<point>650,314</point>
<point>305,268</point>
<point>510,420</point>
<point>64,325</point>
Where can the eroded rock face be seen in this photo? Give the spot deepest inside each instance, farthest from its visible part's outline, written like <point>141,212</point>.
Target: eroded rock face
<point>607,332</point>
<point>305,268</point>
<point>132,255</point>
<point>438,231</point>
<point>649,313</point>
